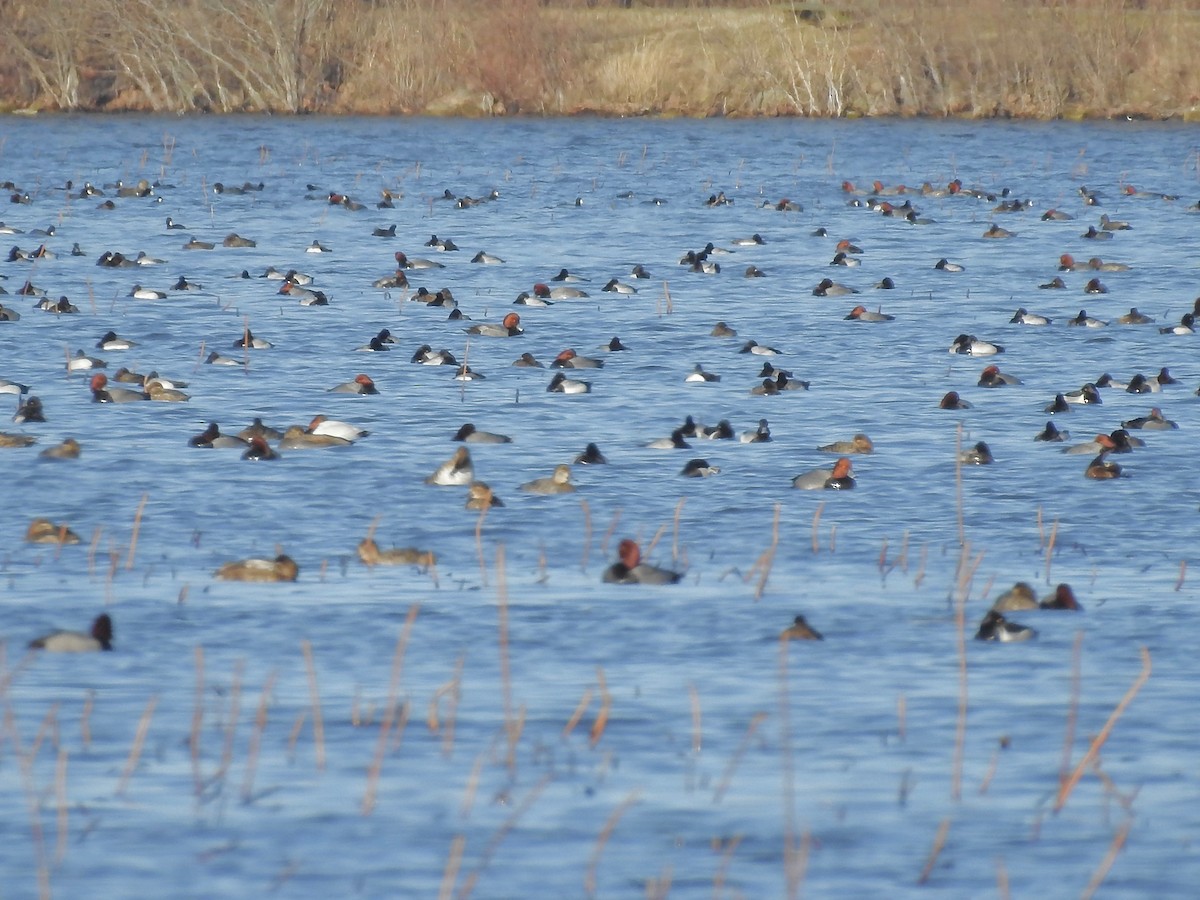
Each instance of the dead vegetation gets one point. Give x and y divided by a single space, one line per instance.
973 58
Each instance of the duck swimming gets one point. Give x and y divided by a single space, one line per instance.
995 627
800 630
629 568
99 638
281 568
458 471
839 478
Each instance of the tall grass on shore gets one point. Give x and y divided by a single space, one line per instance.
974 58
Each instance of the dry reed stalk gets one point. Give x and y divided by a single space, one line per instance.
722 872
1041 530
736 759
882 563
587 533
1050 547
510 732
197 722
389 714
62 814
294 734
472 787
816 524
767 559
479 544
453 863
397 734
48 725
1182 574
960 628
1065 789
610 825
580 708
85 719
1106 864
502 832
993 765
697 725
183 595
315 697
939 841
901 717
658 888
605 708
920 576
788 793
260 725
1064 768
137 527
235 709
135 751
1002 887
612 527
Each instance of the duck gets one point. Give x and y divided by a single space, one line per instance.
468 433
389 232
1164 377
845 259
317 247
216 359
951 400
1023 317
629 568
138 292
800 630
758 349
1054 284
457 471
426 356
320 424
144 259
591 456
306 296
569 359
862 314
99 638
1095 286
197 244
1140 384
1092 234
699 468
361 385
992 377
43 531
102 393
9 315
259 449
722 431
249 342
559 292
510 326
1018 597
1052 434
839 478
527 361
233 239
1186 326
371 554
557 483
1087 394
827 287
379 343
1109 224
281 568
979 455
995 232
404 262
1134 317
527 299
885 284
16 440
560 384
946 266
81 362
481 497
860 444
162 392
296 437
30 410
674 442
487 259
970 345
754 272
1096 264
760 435
721 330
466 373
212 439
619 287
13 387
995 627
1102 469
257 429
184 285
1056 215
1152 422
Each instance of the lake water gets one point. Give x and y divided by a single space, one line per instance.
707 761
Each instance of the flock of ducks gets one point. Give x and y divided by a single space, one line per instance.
261 442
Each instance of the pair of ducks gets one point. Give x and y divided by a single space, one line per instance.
995 627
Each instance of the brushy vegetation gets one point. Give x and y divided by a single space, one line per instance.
977 58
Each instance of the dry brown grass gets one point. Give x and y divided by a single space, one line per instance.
975 58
